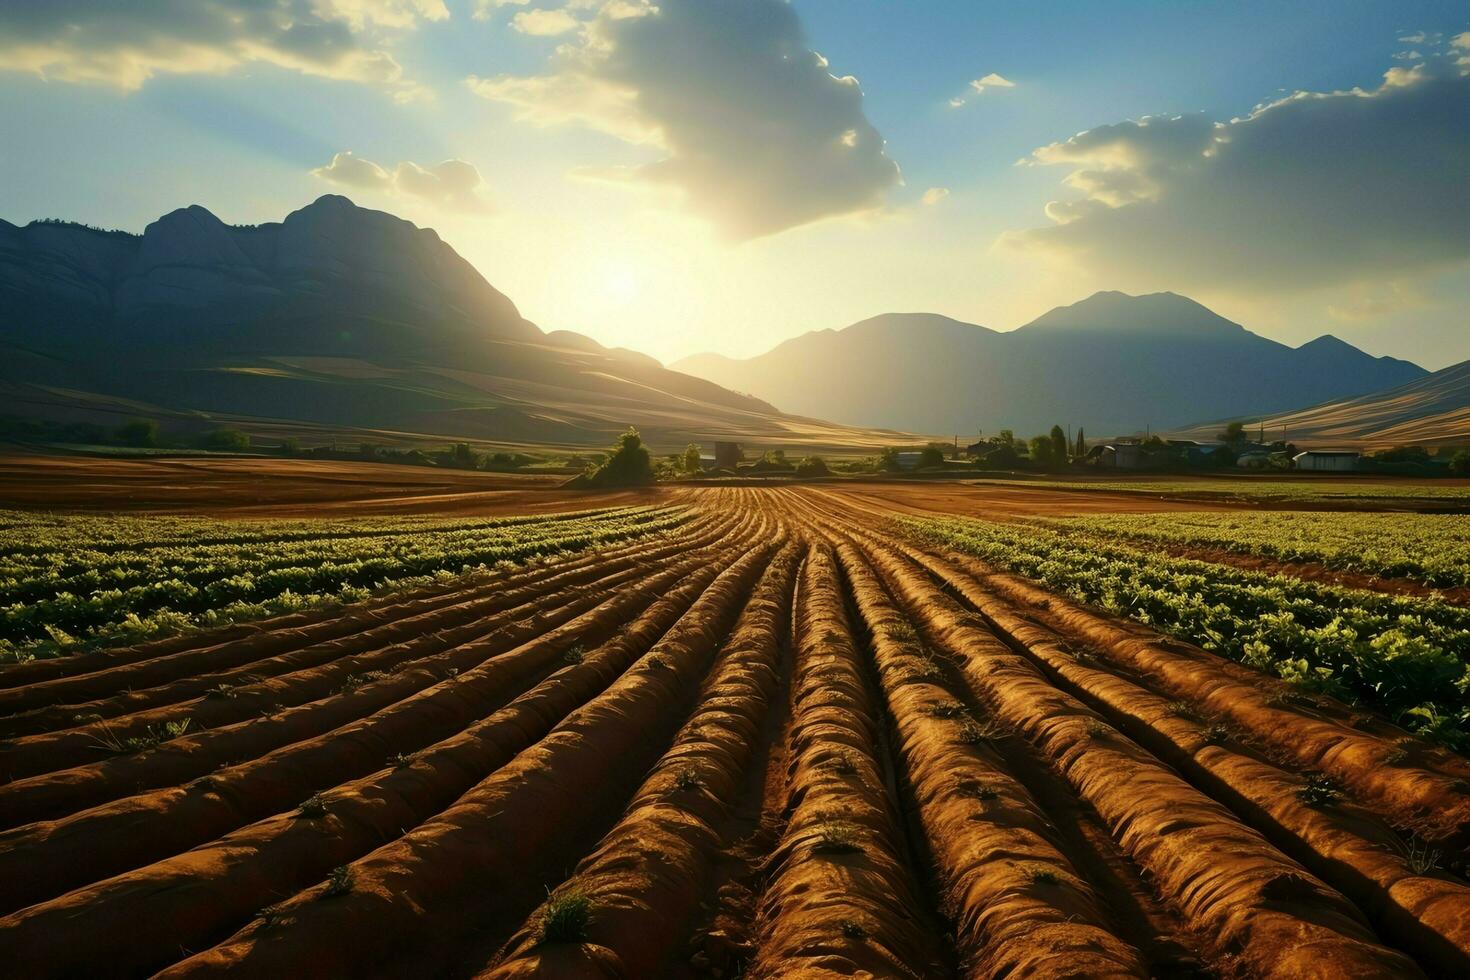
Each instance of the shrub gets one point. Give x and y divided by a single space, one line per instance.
630 464
226 440
138 432
812 466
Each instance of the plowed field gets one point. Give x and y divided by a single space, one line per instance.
784 738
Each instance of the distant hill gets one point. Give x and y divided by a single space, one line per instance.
339 317
1113 363
1432 411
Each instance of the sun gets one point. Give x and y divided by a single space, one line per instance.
620 284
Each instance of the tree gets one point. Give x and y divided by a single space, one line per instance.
1006 438
1081 444
630 464
1058 445
463 457
227 440
888 459
290 446
1041 451
812 466
931 456
1460 463
138 432
691 459
1233 435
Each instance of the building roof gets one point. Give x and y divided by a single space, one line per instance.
1329 452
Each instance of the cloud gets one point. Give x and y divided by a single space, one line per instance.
934 195
756 133
452 183
125 44
980 85
544 23
1312 190
484 8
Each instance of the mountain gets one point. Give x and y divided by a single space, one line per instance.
337 317
1113 363
1432 411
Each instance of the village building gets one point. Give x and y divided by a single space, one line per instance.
1329 460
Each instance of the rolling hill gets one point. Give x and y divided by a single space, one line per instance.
337 319
1112 363
1431 411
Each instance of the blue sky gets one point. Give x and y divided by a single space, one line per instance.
692 178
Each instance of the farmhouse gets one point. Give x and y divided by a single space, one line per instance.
1324 459
1122 455
727 455
907 460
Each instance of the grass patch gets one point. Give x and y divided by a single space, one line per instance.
339 882
314 808
565 917
838 837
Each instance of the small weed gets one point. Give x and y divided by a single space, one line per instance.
655 662
339 882
844 762
404 759
838 837
453 676
900 632
1399 754
852 929
84 719
1216 734
270 915
947 709
1039 875
352 683
1096 729
974 733
1319 791
314 808
687 779
1418 856
221 691
976 790
1183 709
565 917
573 656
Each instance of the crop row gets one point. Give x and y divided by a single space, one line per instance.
1430 548
1302 491
180 589
1406 656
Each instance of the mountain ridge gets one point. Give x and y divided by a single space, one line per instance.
1112 363
336 315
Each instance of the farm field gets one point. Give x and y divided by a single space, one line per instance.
748 731
1274 490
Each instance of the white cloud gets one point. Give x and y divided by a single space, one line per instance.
484 8
1312 190
544 23
453 183
980 85
757 134
125 44
934 195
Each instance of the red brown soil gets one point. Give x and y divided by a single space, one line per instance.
266 488
971 777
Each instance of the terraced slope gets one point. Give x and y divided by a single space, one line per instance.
784 738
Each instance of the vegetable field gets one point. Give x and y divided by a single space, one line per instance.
83 581
1429 548
766 732
1295 491
1404 656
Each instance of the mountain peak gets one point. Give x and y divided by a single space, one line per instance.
1118 312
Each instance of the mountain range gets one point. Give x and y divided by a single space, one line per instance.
337 319
1112 363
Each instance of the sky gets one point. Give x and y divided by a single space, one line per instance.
720 175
